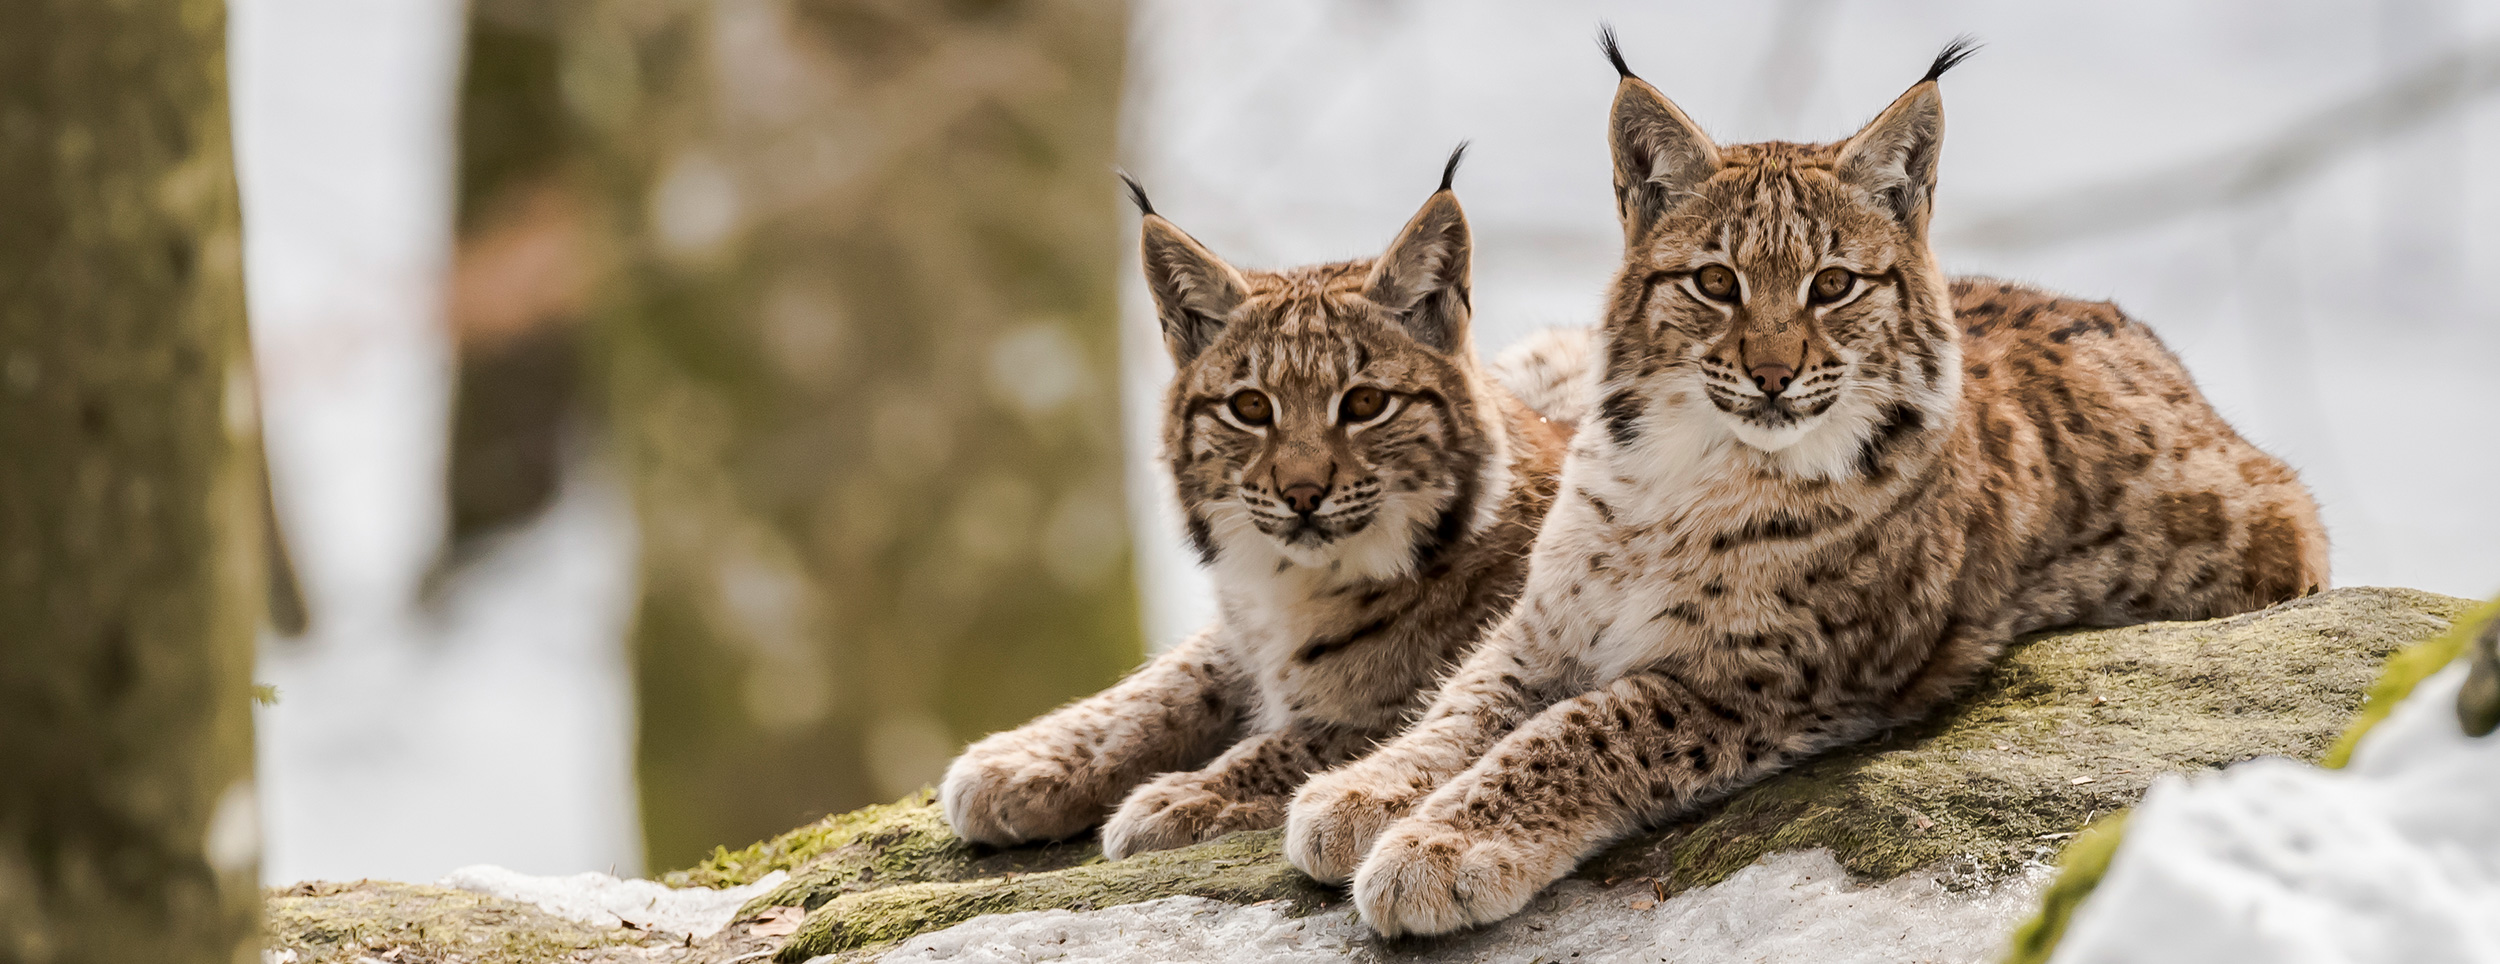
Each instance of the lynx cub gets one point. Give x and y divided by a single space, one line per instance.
1819 490
1365 496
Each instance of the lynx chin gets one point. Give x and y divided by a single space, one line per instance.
1364 494
1820 487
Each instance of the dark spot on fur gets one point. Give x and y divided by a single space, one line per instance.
1323 645
1621 412
2271 570
2193 517
1604 512
1899 421
1776 527
1202 538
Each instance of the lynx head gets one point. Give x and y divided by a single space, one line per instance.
1782 295
1333 416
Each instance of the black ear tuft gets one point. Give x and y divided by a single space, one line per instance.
1450 170
1136 193
1614 51
1953 53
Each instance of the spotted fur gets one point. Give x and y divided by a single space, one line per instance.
1356 560
1734 578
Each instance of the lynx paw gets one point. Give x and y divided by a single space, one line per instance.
1010 796
1425 877
1336 817
1175 810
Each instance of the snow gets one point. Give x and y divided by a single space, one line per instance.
604 901
1791 907
2394 859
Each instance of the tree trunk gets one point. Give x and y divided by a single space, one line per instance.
131 513
860 359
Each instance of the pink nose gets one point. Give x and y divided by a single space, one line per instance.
1772 378
1304 497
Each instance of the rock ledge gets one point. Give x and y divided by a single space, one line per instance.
2069 726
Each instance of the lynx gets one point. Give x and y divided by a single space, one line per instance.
1819 489
1364 495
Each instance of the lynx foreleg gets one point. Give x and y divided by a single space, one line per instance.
1060 774
1246 788
1335 816
1581 774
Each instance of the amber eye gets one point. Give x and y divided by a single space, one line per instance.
1362 405
1832 284
1716 281
1251 406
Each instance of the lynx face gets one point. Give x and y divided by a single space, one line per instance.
1783 285
1329 417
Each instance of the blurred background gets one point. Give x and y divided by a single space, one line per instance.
689 417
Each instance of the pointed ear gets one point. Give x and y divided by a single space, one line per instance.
1659 154
1423 277
1893 161
1193 289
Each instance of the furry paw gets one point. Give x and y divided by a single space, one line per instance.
1426 877
1175 810
1005 795
1335 818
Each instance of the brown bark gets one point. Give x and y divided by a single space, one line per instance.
131 500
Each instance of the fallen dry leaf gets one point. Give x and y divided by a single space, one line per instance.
777 922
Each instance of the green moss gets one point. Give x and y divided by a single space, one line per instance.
897 843
2404 671
1242 868
2080 870
377 920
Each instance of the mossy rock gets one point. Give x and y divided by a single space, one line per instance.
1977 792
2068 726
346 923
903 842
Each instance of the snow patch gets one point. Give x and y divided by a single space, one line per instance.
2395 858
604 901
1790 907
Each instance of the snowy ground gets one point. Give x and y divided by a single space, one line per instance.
1793 907
603 900
2338 316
